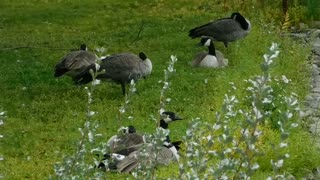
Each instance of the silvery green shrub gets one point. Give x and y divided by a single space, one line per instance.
228 148
3 116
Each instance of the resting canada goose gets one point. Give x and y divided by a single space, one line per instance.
75 62
121 143
224 30
162 155
213 58
120 68
125 130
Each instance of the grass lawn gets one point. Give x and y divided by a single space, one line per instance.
44 113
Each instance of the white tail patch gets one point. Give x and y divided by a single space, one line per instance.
118 157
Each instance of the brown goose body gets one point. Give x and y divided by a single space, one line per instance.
225 30
121 144
211 59
125 143
162 155
199 57
75 62
124 67
129 144
120 68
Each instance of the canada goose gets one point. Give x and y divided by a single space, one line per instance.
212 58
162 155
125 130
122 143
224 30
120 68
75 62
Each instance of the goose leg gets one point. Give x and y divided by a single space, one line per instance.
225 44
123 87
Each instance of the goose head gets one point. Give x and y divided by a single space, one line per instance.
125 130
129 129
205 41
147 62
167 117
213 58
83 47
244 23
208 42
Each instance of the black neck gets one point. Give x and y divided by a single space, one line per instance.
212 50
243 22
163 124
168 139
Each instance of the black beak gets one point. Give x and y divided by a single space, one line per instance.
176 142
177 118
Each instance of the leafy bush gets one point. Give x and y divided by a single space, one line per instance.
230 148
236 146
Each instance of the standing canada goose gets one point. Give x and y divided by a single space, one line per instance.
75 62
120 68
124 144
225 30
156 155
213 58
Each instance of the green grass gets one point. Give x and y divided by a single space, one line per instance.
44 113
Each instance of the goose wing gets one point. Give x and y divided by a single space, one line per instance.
75 61
220 30
121 67
128 150
128 163
80 59
156 156
198 58
164 156
126 143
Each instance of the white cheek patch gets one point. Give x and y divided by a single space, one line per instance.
166 143
207 42
126 129
167 119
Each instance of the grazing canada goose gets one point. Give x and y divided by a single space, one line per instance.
75 62
162 155
120 68
121 143
224 30
213 58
